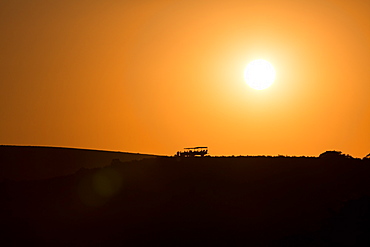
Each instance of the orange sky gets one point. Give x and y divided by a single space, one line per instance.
157 76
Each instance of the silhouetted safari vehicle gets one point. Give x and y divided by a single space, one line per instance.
193 152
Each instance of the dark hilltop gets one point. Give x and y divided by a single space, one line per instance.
173 201
35 162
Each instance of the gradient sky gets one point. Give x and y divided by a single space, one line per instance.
157 76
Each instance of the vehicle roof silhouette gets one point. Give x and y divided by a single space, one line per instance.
195 147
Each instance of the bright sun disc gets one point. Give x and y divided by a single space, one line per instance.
259 74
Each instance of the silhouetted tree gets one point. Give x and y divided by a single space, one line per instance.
367 157
331 154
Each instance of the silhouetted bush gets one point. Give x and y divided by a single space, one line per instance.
333 155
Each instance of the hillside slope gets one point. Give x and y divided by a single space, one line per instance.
30 163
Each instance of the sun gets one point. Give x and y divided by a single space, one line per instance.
259 74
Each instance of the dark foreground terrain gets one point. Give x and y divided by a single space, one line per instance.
31 163
240 201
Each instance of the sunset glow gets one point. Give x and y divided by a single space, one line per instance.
157 76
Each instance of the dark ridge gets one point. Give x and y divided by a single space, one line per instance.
34 162
234 201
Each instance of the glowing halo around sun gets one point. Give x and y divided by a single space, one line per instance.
259 74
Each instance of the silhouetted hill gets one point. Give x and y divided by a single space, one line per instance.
241 201
28 163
